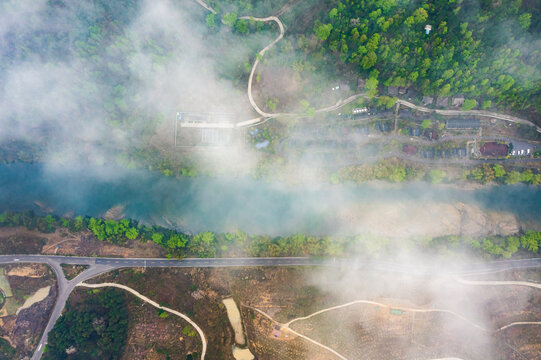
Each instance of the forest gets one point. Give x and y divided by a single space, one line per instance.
94 326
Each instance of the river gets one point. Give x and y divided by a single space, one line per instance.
228 203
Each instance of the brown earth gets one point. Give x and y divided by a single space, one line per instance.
23 330
19 240
277 82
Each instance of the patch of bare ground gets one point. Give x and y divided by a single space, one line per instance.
61 242
22 327
279 83
153 337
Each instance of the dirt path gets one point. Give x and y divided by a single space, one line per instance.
155 304
204 4
520 323
470 112
258 57
385 305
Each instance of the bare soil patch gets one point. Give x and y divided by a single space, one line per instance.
277 82
61 242
23 326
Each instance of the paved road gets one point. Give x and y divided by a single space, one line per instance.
115 263
101 265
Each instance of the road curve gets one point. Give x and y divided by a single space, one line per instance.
256 62
155 304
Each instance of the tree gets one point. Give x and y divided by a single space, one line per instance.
531 241
436 176
241 26
398 173
420 15
176 241
371 87
157 238
230 19
525 20
132 233
211 24
323 31
477 174
203 244
512 177
499 171
444 91
488 173
469 104
527 176
426 123
369 60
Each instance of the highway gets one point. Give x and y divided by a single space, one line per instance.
99 265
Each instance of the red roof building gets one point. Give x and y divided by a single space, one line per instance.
409 149
494 149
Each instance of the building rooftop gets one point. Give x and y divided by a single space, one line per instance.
428 100
444 101
409 149
494 149
463 123
392 90
457 101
